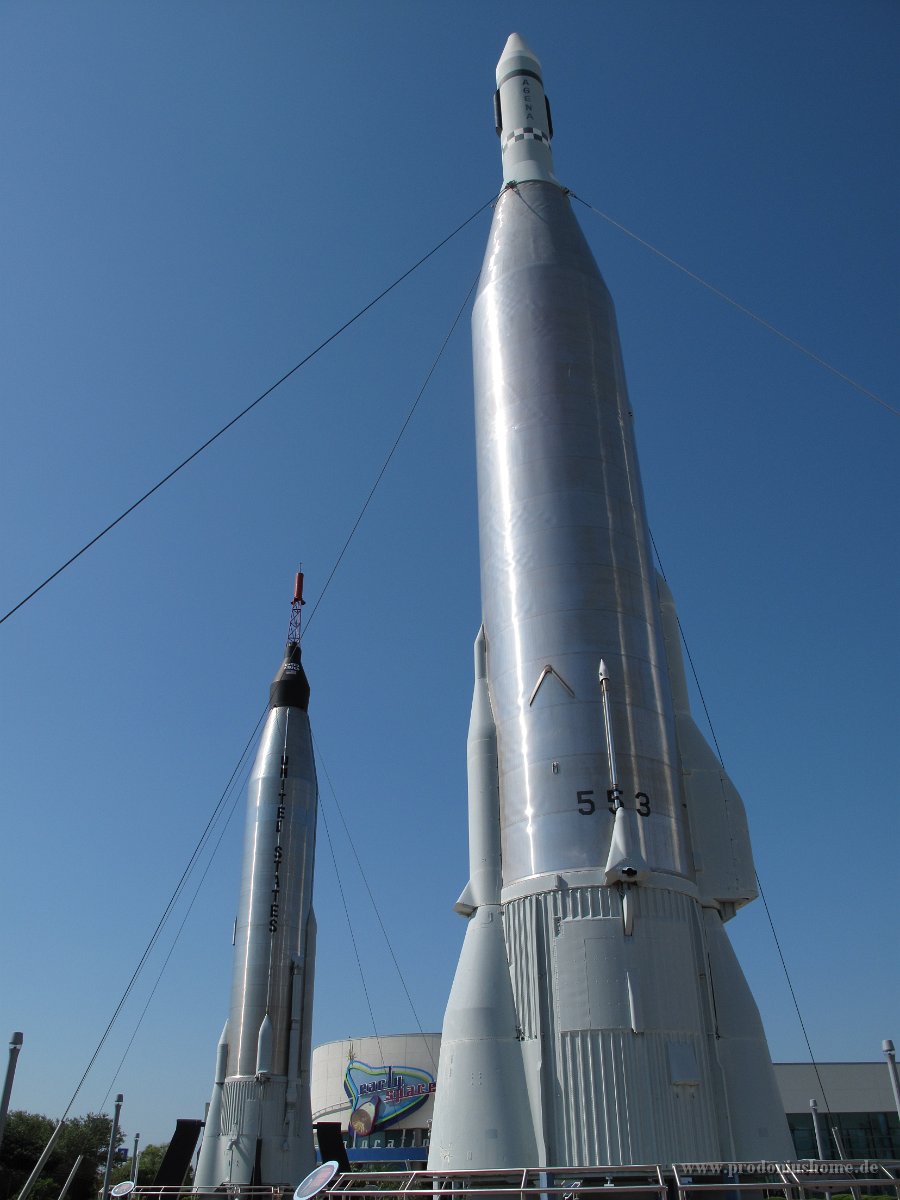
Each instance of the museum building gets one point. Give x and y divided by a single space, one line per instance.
381 1092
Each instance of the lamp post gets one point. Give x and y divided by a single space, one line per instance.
888 1047
15 1045
70 1177
112 1146
821 1137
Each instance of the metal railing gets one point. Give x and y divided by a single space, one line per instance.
551 1183
862 1179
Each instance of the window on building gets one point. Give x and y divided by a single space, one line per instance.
862 1135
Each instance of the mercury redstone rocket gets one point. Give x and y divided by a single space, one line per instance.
598 1014
259 1124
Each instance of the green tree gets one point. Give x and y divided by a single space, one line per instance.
26 1136
149 1159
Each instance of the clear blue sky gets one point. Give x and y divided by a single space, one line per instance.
194 196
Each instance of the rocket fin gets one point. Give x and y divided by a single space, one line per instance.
465 905
718 822
625 863
264 1049
208 1173
222 1056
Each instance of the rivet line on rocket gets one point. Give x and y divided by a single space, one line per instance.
742 308
243 413
690 658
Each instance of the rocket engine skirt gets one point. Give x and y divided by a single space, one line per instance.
567 575
621 1024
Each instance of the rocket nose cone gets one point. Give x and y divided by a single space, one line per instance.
517 48
516 44
290 687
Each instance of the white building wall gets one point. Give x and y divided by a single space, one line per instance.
850 1086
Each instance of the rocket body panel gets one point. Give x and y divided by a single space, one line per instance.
259 1126
622 1022
566 572
276 887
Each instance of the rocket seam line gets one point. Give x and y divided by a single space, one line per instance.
517 74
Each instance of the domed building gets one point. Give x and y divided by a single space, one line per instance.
380 1091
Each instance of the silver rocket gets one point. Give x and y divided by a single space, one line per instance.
259 1124
598 1014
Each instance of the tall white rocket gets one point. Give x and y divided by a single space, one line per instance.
598 1014
259 1123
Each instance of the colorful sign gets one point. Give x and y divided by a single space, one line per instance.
381 1096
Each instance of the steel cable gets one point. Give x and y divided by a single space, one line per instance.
762 894
816 358
220 805
234 420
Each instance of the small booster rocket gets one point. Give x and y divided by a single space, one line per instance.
598 1014
259 1124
